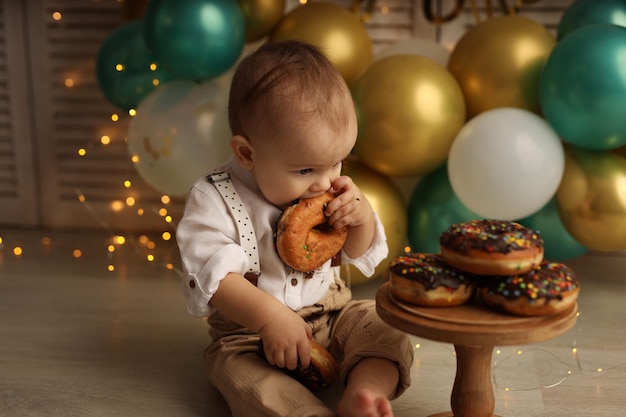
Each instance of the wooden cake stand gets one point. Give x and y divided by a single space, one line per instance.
474 330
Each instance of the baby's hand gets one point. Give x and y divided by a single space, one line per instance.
349 207
286 340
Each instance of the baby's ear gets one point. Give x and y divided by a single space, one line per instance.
242 149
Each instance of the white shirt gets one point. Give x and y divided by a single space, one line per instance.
208 241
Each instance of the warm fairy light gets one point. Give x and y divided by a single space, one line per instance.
162 211
150 244
69 82
169 266
77 253
111 248
417 346
156 82
44 240
127 184
168 219
111 268
498 351
132 112
384 10
519 352
57 16
0 240
153 66
150 258
130 201
82 152
115 117
17 251
119 67
165 199
134 159
105 140
117 205
507 389
407 249
140 212
574 350
166 236
143 239
119 239
81 198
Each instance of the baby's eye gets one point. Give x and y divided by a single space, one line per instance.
305 171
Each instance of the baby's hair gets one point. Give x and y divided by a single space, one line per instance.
283 81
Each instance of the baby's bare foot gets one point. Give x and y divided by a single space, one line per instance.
365 403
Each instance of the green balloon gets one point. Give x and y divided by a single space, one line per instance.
195 39
432 208
583 13
558 244
582 89
123 67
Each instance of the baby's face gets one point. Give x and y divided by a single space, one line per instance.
301 163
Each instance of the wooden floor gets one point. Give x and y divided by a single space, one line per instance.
79 340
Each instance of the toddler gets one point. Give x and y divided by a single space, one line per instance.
293 122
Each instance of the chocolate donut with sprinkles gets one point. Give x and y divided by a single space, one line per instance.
491 247
548 289
423 279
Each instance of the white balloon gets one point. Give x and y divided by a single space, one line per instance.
180 132
418 46
506 163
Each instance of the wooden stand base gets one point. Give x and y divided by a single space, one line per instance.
474 330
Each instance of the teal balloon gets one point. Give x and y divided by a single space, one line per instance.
432 208
582 89
123 67
583 13
559 245
195 39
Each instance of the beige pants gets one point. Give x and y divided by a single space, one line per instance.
351 330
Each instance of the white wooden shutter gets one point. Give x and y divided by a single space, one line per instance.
71 118
17 169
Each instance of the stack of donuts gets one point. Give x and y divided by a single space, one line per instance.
499 262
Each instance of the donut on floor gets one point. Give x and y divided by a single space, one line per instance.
548 289
304 239
320 374
424 279
491 247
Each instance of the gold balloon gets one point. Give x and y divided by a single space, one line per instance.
498 63
409 111
591 199
387 201
261 16
332 28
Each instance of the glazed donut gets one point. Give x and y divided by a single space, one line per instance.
320 374
424 279
491 247
304 239
548 289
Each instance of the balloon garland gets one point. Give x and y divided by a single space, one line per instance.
537 92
